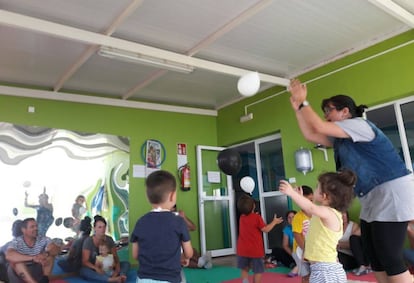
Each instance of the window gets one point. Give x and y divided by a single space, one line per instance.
396 120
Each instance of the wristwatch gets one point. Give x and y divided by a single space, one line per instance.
303 104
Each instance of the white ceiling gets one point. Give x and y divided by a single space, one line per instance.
52 45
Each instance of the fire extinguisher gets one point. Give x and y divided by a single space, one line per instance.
184 175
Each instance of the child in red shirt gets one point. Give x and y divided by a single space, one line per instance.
250 251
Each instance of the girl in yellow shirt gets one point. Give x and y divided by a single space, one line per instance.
333 195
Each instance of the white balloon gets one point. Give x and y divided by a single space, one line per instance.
249 84
247 184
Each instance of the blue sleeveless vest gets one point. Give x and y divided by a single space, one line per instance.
374 162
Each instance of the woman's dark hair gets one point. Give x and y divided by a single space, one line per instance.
85 226
341 101
245 204
338 186
17 228
98 218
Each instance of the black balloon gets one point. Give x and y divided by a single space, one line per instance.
229 161
58 221
15 211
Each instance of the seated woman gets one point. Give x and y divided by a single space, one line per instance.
73 261
90 250
284 255
349 248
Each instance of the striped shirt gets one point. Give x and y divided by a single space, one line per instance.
19 245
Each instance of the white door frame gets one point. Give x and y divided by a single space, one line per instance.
262 194
202 198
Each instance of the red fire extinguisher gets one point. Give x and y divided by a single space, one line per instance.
184 175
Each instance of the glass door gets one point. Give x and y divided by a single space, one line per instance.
216 204
271 167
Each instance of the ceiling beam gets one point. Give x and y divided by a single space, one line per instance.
93 48
395 10
62 96
71 33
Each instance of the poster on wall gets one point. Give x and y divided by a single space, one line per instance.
153 156
181 154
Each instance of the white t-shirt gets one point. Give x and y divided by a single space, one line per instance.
345 238
107 263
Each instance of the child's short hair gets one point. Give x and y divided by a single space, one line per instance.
159 184
306 190
339 187
289 212
245 204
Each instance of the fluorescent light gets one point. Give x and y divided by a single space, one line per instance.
138 58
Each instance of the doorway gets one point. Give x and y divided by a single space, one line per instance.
216 204
262 160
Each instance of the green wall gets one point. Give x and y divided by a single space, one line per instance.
139 125
382 79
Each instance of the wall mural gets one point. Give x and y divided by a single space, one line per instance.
59 176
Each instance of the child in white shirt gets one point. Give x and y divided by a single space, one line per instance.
105 260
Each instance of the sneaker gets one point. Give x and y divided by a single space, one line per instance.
201 262
208 265
362 271
205 261
354 270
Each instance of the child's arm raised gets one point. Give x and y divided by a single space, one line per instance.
307 206
276 220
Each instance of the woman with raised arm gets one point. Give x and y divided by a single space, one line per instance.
385 187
